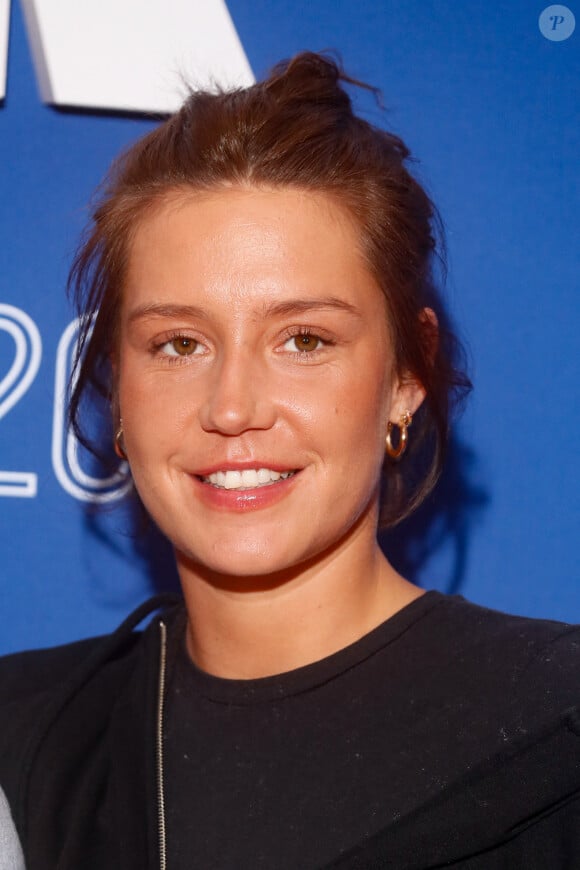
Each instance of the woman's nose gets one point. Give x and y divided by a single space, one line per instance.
238 396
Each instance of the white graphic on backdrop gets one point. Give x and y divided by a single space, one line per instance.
557 23
15 383
65 460
4 29
132 55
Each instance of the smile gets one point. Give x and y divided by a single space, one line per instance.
249 478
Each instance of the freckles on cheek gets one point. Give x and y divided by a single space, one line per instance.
150 393
154 421
300 407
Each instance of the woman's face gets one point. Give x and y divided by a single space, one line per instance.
256 378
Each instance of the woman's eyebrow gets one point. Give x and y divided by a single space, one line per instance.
274 309
142 312
299 306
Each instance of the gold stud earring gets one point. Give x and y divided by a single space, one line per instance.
118 442
395 453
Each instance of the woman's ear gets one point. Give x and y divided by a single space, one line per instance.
409 397
409 391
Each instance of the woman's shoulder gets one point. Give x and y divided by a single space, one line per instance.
36 685
65 690
488 709
32 683
32 672
455 606
481 626
35 677
535 658
25 673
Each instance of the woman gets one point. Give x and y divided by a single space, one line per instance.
260 269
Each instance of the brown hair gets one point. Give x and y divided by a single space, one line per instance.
296 128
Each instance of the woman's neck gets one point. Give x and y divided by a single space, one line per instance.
251 627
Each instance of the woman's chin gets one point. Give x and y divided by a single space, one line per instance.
237 567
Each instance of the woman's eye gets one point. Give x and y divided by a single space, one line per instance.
303 343
181 345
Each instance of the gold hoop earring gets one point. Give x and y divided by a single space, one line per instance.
118 443
395 453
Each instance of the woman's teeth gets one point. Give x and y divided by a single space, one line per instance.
249 478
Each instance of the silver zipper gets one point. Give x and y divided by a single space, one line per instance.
160 772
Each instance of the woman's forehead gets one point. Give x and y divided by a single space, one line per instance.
270 244
229 214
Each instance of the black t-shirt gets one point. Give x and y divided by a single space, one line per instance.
446 736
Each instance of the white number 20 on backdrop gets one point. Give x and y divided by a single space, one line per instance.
14 385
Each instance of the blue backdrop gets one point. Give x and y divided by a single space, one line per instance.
490 104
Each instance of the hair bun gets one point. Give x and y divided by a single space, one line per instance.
310 77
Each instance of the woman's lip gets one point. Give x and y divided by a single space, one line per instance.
250 465
243 500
